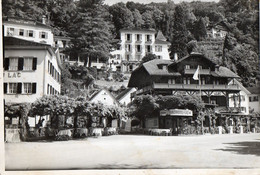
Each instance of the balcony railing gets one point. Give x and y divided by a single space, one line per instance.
192 71
195 86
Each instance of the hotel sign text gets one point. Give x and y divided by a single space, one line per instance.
12 74
176 112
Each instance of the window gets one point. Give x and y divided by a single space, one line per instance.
13 64
138 37
12 88
118 56
188 80
127 57
158 48
21 32
148 48
242 98
128 37
171 81
148 38
255 98
43 35
28 64
203 80
30 33
128 48
184 80
187 66
27 88
138 48
10 32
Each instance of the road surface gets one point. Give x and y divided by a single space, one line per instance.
137 151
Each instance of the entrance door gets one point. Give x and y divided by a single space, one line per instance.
168 123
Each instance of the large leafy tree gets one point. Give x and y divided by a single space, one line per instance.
90 31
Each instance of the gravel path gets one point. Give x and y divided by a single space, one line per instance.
137 151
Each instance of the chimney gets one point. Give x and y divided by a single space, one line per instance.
44 19
175 57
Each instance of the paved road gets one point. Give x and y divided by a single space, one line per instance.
134 151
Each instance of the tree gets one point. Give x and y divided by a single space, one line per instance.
122 17
144 106
199 29
138 21
180 33
148 20
91 32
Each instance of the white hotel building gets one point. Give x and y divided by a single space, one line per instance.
32 66
135 44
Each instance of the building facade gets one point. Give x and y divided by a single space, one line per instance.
254 99
28 30
136 43
31 70
168 77
105 97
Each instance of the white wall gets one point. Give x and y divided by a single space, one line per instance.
255 104
104 98
49 40
244 101
39 76
127 98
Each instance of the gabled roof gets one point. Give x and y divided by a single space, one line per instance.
160 36
123 94
23 21
99 91
224 72
12 41
192 54
152 67
157 41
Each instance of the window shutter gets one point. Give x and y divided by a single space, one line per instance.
34 88
34 63
20 63
5 88
6 63
19 88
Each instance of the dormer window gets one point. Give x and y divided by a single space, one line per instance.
30 33
43 35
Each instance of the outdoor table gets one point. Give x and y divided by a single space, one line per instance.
159 131
82 131
12 135
97 131
66 132
111 130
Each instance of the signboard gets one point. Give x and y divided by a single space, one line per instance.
176 112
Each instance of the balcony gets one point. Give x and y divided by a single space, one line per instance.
192 71
196 86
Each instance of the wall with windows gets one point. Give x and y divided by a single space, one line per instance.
104 97
29 32
241 100
254 102
53 77
25 77
162 51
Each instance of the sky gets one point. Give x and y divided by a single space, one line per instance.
110 2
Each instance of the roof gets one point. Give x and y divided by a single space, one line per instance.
160 36
12 41
124 93
224 72
23 21
138 30
192 54
254 90
157 41
240 85
152 67
99 91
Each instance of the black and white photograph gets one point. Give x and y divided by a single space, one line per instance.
130 87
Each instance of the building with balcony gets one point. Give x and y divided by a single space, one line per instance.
62 43
172 77
28 30
136 43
